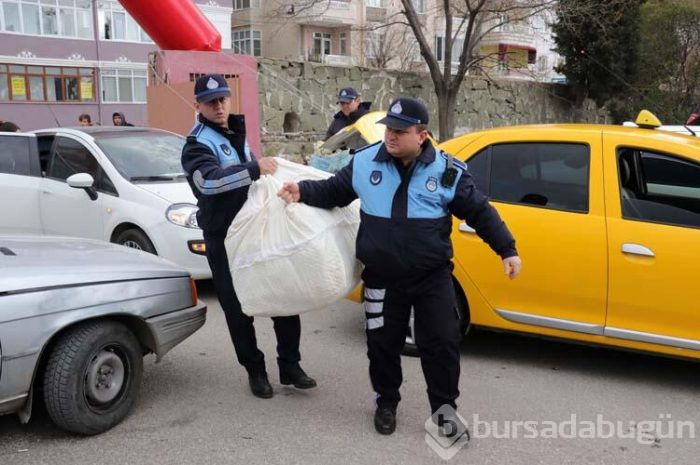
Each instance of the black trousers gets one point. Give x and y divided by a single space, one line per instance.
240 326
437 335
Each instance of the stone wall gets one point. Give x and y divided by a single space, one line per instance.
298 101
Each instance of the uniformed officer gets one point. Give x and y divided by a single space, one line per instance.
408 192
220 169
351 109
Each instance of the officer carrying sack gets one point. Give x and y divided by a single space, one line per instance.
290 259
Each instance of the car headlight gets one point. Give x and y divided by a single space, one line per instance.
183 214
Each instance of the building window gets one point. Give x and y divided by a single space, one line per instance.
246 42
65 18
245 4
375 3
419 5
117 24
322 43
343 39
20 83
123 85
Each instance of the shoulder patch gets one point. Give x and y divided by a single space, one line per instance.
196 130
455 161
354 151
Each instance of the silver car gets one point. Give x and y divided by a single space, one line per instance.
76 318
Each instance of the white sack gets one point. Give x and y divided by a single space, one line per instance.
289 259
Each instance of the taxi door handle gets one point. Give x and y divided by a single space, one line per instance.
637 249
464 227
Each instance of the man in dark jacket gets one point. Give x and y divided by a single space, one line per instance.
351 109
409 192
118 119
220 169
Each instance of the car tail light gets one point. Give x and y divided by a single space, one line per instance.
193 288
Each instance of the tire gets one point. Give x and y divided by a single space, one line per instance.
410 349
92 377
136 239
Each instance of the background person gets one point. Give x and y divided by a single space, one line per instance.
351 109
118 119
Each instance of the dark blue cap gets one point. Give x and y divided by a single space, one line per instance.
405 112
210 87
347 94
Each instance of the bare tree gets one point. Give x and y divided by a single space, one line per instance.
391 45
473 20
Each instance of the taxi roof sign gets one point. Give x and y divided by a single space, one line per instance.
646 119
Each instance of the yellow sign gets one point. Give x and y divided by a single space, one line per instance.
85 90
19 86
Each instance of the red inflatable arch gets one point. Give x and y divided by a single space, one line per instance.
175 24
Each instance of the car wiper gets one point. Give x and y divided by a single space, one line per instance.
151 178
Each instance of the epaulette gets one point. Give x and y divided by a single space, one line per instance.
196 130
455 161
354 151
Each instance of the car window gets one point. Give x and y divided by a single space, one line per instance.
478 167
14 155
71 157
659 188
144 155
550 175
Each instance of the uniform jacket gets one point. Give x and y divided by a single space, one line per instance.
220 169
340 120
406 213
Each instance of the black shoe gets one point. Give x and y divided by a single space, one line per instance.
260 385
385 420
296 376
451 426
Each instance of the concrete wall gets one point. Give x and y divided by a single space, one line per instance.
309 90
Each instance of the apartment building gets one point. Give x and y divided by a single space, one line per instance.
355 32
62 58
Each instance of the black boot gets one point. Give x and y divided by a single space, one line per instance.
296 376
260 385
385 420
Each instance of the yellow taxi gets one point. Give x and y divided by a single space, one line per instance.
607 222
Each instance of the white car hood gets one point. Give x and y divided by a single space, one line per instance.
173 192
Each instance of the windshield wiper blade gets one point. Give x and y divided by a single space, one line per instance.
151 178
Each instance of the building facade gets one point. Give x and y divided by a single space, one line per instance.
515 44
63 58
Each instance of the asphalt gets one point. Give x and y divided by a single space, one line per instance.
195 407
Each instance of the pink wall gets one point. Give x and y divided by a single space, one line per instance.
176 66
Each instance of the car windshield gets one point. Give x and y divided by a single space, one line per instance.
144 156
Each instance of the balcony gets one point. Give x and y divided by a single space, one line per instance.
514 34
332 14
336 60
375 14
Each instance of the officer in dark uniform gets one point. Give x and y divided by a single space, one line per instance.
351 109
220 169
409 192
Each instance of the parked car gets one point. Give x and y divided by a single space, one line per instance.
76 318
122 185
607 222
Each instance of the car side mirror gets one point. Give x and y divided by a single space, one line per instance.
83 181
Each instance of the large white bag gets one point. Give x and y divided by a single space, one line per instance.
289 259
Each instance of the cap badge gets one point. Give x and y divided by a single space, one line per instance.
343 93
397 108
212 84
